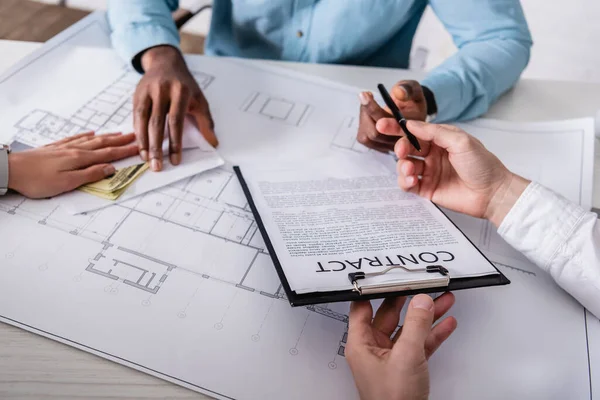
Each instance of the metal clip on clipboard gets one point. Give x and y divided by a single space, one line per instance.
366 289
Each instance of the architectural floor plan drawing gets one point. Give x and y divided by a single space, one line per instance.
110 108
217 246
276 108
345 137
176 282
170 254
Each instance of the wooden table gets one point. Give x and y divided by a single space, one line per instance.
35 21
34 367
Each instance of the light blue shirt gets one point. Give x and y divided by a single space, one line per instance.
492 37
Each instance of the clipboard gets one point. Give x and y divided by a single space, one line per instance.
359 280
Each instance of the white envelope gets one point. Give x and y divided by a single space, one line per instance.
191 139
198 156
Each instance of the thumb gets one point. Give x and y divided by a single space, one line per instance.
201 113
448 137
407 90
87 175
417 323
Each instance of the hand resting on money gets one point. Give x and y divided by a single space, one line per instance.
130 169
114 186
67 164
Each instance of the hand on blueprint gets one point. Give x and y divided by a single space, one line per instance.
67 164
408 96
456 172
167 90
395 368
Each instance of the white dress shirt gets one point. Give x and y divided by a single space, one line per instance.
561 238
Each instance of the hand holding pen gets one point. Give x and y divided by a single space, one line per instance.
410 99
398 116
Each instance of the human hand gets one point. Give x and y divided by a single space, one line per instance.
167 88
386 368
67 164
408 96
456 171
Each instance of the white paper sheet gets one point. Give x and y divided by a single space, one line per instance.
88 89
193 161
557 154
176 282
198 156
331 216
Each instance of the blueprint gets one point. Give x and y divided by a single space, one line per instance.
52 110
177 283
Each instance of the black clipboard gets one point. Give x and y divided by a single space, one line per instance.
306 299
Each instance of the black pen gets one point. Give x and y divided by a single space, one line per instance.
398 116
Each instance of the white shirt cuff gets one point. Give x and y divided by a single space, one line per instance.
539 223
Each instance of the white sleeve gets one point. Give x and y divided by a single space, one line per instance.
561 238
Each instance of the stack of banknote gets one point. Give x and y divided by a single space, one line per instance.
113 187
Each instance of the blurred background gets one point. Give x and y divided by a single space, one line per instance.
566 34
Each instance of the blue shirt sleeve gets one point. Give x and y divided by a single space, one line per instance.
138 25
493 43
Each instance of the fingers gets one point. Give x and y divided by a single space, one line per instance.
69 139
410 99
403 148
359 323
443 304
78 159
200 110
102 141
401 92
77 178
367 133
409 171
410 167
156 127
407 90
417 323
179 106
370 112
388 315
76 143
142 105
361 314
448 137
370 106
439 334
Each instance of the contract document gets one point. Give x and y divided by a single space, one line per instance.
339 227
